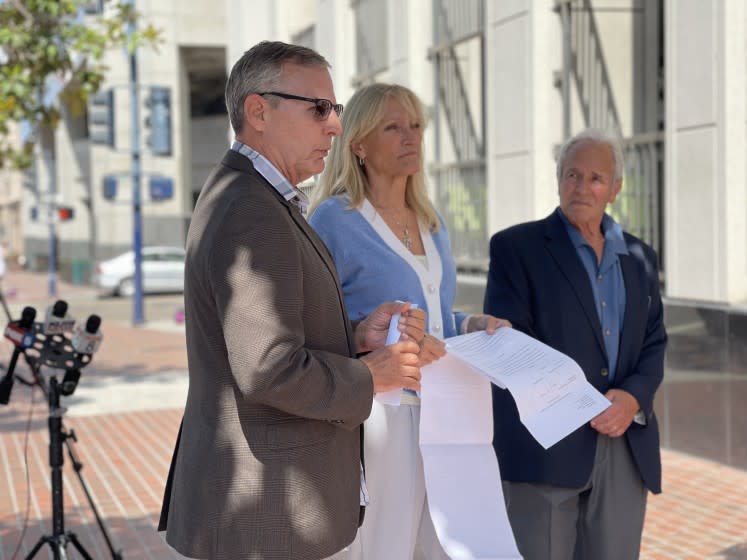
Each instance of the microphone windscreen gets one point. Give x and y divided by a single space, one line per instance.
93 323
27 317
60 308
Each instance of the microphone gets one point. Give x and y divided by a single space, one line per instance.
87 340
56 319
21 335
84 341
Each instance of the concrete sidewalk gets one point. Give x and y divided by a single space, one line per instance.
126 413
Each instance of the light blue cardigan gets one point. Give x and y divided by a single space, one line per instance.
372 273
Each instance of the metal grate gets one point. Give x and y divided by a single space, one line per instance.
460 173
456 20
371 53
461 197
638 206
583 59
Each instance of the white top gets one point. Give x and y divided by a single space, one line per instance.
428 268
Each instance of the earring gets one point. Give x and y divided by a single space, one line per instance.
361 160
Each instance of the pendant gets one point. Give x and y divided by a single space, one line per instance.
406 241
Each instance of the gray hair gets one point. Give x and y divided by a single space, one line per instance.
594 135
259 69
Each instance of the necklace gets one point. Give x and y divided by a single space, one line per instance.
406 239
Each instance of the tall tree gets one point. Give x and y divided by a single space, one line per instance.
42 41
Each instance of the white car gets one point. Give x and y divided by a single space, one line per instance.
163 271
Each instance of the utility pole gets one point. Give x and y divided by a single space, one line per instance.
138 317
52 248
47 144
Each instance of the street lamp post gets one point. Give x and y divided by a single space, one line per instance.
138 317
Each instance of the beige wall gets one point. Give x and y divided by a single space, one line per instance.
706 196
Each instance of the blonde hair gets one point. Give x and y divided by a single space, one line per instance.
342 173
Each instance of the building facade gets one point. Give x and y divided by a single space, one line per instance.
189 65
505 81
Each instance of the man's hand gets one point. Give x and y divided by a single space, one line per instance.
394 367
614 421
486 323
371 332
431 349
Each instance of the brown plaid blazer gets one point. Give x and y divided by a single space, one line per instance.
267 463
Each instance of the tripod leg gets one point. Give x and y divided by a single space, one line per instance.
78 467
40 543
5 305
79 547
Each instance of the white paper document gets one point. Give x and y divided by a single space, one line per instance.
550 390
462 478
394 396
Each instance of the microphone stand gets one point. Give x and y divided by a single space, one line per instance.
58 436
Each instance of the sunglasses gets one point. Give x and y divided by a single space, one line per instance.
322 107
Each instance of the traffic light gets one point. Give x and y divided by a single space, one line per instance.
158 120
101 118
65 213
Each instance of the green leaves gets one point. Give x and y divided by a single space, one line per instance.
43 39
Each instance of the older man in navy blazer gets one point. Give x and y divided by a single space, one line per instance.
578 283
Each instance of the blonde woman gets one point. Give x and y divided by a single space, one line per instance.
388 242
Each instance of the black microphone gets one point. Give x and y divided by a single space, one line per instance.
56 320
87 340
20 333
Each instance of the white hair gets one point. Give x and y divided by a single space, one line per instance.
594 135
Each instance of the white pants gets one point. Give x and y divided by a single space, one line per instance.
397 525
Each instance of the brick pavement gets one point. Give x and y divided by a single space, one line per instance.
702 513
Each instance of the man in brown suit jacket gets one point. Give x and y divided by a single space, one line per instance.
268 460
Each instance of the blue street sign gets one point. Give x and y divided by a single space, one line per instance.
161 188
110 187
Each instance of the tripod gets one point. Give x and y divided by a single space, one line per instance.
58 436
55 352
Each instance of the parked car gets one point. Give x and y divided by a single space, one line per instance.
163 271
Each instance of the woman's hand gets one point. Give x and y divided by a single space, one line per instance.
486 323
431 349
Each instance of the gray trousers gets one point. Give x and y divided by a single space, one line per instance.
601 520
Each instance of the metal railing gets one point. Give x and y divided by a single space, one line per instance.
457 20
459 173
638 207
462 198
583 58
371 49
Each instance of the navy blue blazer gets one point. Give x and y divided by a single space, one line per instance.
537 282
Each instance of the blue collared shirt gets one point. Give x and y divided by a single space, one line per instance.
607 282
274 177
